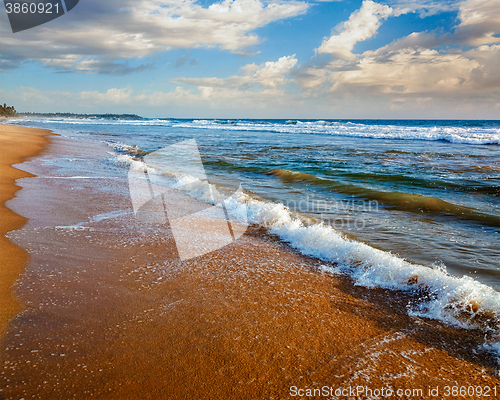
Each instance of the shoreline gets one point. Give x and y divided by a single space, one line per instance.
18 145
112 313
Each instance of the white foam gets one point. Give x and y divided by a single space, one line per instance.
97 121
459 135
452 297
129 160
183 180
472 135
453 300
109 215
97 218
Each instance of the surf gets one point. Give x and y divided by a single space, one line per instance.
409 202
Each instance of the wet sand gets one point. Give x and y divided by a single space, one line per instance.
112 313
17 145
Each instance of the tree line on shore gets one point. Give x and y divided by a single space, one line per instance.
7 111
10 111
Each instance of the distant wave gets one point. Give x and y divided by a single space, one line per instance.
466 133
459 135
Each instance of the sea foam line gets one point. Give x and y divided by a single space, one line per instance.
457 135
458 301
452 134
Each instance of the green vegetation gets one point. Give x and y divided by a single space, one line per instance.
82 116
7 111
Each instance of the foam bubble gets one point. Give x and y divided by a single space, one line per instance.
457 301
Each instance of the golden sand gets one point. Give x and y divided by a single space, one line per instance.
16 145
248 321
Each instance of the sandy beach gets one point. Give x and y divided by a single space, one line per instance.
18 144
253 320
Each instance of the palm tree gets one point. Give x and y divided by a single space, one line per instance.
7 111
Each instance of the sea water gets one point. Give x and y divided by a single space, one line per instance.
405 205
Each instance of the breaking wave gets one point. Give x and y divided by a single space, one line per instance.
474 135
470 133
458 301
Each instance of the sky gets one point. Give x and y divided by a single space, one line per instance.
259 59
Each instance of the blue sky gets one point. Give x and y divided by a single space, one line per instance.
259 59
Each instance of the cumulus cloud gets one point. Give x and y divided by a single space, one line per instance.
409 71
362 25
479 19
100 33
197 101
257 87
480 22
486 77
414 65
415 40
421 72
266 76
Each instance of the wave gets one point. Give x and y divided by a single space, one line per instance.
293 176
427 183
225 165
409 202
458 301
224 122
458 132
471 135
123 148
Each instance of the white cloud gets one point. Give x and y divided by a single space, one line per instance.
415 65
420 75
406 67
267 76
258 87
425 8
415 40
486 77
98 33
112 96
408 71
480 21
362 25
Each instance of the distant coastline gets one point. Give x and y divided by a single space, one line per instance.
75 115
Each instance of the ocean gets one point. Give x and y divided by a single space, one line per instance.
410 206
